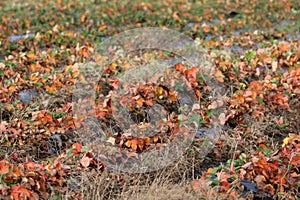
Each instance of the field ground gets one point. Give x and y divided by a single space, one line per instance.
254 50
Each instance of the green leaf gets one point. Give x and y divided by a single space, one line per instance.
216 169
59 115
85 149
69 153
287 93
260 100
249 55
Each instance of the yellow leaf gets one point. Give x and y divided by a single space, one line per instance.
128 143
140 101
287 139
34 77
113 65
155 139
75 74
159 90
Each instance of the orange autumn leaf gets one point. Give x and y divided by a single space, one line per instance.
224 183
284 46
84 52
295 175
77 146
219 76
83 18
15 195
24 191
297 71
176 16
34 77
147 141
191 74
17 171
29 165
140 101
172 95
265 58
75 73
239 98
113 66
126 65
212 43
11 88
4 167
179 67
46 119
51 88
100 114
227 43
195 184
255 86
198 94
17 190
40 114
295 161
27 22
149 102
141 144
134 144
58 83
31 56
199 183
155 139
205 28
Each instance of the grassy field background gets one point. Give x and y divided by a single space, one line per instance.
257 155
